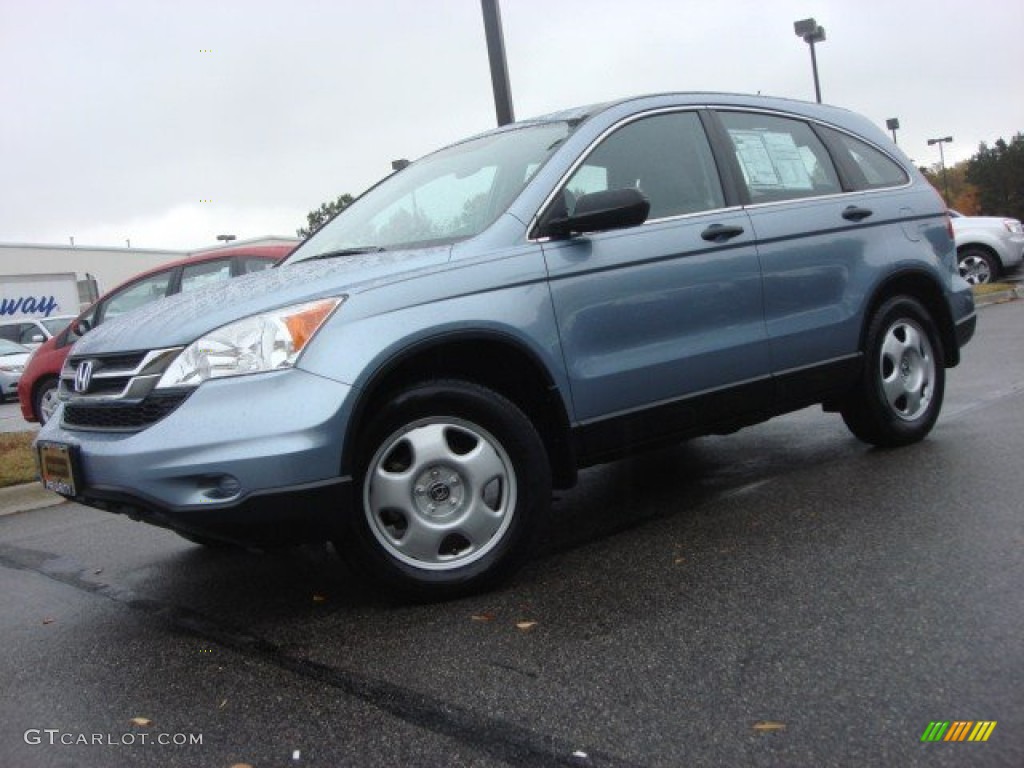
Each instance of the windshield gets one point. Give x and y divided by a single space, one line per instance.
450 195
56 324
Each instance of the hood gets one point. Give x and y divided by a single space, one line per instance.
181 319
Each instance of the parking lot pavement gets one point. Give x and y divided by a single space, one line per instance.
784 596
11 420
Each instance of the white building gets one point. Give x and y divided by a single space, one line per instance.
108 266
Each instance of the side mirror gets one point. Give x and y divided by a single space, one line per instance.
609 209
37 338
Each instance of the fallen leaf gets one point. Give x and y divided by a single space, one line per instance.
48 620
483 617
223 704
680 560
526 626
579 754
765 726
241 765
143 722
319 599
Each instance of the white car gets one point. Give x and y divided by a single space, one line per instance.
33 331
12 362
986 246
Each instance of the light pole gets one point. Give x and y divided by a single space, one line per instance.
812 33
893 123
942 158
226 239
499 64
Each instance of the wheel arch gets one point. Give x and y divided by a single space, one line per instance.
926 289
491 359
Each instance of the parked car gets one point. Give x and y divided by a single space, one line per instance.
12 363
419 374
33 331
986 246
37 392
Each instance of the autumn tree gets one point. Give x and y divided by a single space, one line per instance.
998 173
317 218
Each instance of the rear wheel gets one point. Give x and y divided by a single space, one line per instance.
977 267
453 483
901 392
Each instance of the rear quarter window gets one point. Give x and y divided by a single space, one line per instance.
868 167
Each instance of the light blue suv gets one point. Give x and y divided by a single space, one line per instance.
416 377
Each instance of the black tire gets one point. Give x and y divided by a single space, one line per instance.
452 485
904 378
977 266
44 392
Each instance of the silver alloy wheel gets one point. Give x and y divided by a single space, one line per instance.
907 369
975 269
440 493
48 403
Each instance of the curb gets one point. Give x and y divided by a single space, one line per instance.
22 498
1000 297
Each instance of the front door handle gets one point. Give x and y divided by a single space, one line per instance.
853 213
720 233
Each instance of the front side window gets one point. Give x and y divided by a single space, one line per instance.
137 294
780 158
667 157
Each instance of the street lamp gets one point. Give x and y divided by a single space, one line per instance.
809 30
226 239
942 158
893 123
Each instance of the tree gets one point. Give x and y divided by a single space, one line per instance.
317 218
963 196
998 173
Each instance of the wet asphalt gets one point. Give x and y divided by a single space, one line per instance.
784 596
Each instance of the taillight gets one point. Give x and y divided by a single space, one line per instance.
949 226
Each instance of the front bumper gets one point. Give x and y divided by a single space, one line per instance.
240 458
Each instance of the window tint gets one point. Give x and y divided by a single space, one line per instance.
249 264
870 168
667 157
197 275
135 295
780 158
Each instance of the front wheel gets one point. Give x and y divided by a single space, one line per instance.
46 400
977 267
452 484
900 394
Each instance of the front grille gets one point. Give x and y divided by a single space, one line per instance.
117 392
116 416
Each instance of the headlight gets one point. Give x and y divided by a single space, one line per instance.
266 342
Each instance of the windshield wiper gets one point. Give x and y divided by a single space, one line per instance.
347 252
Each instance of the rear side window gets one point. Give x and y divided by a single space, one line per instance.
780 158
249 264
868 167
195 276
667 157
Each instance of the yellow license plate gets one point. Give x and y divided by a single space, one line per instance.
57 469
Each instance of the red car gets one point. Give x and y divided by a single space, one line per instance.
37 389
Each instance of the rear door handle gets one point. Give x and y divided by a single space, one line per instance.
853 213
720 233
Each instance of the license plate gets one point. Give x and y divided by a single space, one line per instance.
57 468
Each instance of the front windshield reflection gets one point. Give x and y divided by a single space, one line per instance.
448 196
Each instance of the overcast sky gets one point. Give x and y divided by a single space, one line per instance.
169 122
